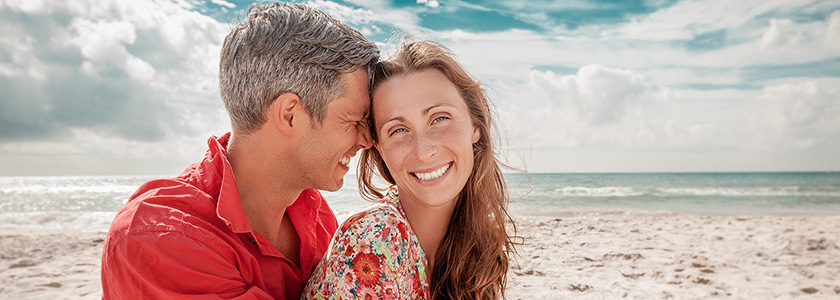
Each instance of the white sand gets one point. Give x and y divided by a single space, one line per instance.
677 256
50 265
606 256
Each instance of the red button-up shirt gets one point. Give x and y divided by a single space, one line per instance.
188 237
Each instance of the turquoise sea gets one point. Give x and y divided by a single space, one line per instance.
89 203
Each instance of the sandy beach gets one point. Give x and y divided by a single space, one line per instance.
677 256
579 256
50 265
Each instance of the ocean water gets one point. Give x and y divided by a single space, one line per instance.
807 193
89 203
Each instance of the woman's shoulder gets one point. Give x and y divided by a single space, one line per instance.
378 215
374 253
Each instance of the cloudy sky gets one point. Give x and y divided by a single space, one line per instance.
94 87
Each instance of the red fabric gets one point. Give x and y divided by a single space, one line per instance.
188 237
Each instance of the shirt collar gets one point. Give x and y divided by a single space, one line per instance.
392 197
229 207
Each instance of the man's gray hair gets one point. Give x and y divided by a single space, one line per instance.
290 48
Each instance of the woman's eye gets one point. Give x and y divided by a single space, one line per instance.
395 131
438 119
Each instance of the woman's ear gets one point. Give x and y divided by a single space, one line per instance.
376 148
476 134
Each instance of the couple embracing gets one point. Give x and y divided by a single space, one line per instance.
305 93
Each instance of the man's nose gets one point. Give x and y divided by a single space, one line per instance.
364 139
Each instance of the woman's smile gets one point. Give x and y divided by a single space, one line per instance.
432 175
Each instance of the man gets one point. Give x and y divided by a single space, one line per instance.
246 221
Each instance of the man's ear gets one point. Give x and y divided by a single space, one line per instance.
285 113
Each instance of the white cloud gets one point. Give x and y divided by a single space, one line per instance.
103 45
343 13
223 3
429 3
515 52
120 73
596 107
139 69
796 106
686 19
675 76
405 20
102 41
607 109
552 5
780 34
21 58
796 116
833 31
27 6
785 34
362 3
600 94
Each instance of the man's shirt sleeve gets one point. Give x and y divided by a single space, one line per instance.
172 265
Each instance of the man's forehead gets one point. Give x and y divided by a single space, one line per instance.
354 101
359 112
358 108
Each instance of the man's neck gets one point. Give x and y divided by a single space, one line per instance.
265 195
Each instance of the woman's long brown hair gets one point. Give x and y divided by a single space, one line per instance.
472 260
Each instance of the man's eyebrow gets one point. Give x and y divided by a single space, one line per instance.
358 114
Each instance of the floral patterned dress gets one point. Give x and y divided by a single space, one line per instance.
373 255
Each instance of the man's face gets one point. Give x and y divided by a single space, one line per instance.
327 148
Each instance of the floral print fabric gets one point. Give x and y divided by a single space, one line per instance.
374 255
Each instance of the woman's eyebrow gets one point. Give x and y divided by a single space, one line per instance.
397 118
426 111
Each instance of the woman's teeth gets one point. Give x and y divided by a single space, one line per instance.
345 161
433 174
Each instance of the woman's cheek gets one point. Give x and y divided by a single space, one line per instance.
392 152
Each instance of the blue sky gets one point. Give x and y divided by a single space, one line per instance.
94 87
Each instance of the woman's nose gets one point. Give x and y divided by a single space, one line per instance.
425 147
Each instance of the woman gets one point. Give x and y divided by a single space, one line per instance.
439 230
